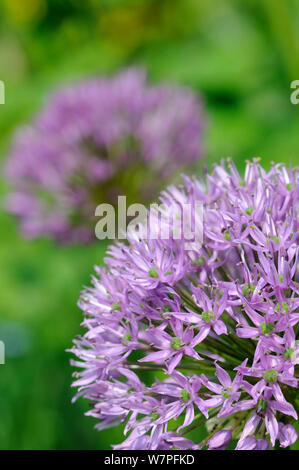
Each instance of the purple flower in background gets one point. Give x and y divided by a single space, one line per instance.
93 141
214 341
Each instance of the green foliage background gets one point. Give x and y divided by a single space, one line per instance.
241 55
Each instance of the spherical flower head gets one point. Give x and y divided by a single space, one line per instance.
178 339
95 140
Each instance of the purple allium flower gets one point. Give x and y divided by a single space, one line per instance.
93 141
180 338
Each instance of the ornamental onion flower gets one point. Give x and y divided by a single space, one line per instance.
93 141
214 341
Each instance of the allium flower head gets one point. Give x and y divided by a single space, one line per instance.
93 141
215 340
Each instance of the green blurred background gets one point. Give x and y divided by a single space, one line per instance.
241 55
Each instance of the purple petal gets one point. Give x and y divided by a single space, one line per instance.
223 377
250 425
271 425
220 440
174 362
247 332
287 435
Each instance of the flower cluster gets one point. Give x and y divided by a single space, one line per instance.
177 338
93 141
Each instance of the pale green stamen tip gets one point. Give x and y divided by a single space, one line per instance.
285 306
249 210
207 316
289 353
227 236
115 306
185 395
153 272
128 337
266 329
176 343
275 239
271 375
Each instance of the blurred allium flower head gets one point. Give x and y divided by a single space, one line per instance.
96 140
210 338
